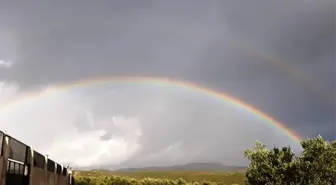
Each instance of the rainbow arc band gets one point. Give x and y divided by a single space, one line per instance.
221 96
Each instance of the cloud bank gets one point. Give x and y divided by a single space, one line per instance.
133 125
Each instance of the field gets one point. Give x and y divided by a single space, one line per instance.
219 177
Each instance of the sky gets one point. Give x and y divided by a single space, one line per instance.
278 56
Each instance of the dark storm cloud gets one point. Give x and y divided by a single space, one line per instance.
193 40
86 40
302 34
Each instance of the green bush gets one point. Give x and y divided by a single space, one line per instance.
315 166
117 180
220 177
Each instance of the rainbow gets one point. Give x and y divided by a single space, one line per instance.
291 71
167 82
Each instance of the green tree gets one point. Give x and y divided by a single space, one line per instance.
315 166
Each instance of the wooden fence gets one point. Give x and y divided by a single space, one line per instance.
21 165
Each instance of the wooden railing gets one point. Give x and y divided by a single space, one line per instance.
21 165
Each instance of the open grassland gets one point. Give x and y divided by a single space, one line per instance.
163 177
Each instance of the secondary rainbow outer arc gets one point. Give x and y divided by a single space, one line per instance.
279 63
168 82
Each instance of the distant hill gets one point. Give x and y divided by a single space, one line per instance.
187 167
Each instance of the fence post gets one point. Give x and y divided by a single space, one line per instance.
46 169
55 173
31 165
5 158
3 167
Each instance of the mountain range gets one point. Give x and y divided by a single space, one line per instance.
187 167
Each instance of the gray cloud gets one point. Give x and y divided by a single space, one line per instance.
159 123
58 42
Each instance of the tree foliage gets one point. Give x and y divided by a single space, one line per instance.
279 166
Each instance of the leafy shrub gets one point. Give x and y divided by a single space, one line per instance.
315 166
192 177
117 180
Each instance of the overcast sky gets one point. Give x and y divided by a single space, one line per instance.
278 56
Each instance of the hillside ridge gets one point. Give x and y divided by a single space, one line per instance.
189 166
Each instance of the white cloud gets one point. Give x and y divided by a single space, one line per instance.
5 64
87 149
8 91
143 126
46 123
